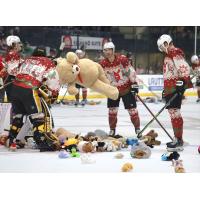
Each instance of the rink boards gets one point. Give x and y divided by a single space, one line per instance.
150 85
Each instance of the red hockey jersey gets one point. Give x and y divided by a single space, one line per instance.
175 68
119 72
13 61
34 71
2 68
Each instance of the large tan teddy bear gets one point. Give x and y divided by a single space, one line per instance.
85 72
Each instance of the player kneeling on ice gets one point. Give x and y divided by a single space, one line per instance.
176 73
123 76
34 72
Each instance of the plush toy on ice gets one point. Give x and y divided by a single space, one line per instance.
85 72
63 134
178 166
87 147
140 150
127 167
150 139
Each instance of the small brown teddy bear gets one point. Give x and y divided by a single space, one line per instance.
127 167
140 151
3 139
178 166
140 154
61 132
150 139
87 147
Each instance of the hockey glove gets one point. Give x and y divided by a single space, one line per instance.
134 88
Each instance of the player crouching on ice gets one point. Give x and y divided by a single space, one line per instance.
34 72
176 74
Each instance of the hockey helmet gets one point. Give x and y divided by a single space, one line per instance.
194 59
161 40
109 45
10 40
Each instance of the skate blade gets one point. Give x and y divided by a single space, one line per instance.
178 149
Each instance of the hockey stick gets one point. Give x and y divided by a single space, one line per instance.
63 97
4 86
160 111
154 117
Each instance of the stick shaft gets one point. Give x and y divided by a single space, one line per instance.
154 117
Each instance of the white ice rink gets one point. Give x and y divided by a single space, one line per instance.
89 118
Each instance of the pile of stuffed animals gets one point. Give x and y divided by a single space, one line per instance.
71 145
100 141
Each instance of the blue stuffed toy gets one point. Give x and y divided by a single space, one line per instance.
170 156
132 141
63 154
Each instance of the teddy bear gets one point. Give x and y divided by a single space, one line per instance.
62 134
87 147
127 167
140 150
85 72
178 166
3 139
108 145
150 139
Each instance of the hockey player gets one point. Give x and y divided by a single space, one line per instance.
13 60
33 72
123 76
176 74
196 67
81 54
2 74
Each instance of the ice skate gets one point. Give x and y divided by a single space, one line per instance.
76 103
112 133
83 102
175 145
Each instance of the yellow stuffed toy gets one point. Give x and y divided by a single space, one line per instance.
85 72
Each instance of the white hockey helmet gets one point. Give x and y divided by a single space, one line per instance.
194 59
161 40
78 51
109 45
12 39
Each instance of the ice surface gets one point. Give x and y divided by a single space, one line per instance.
82 120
